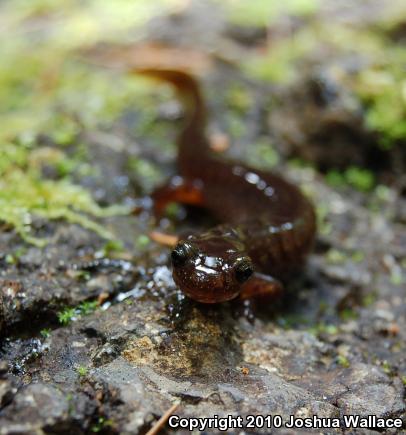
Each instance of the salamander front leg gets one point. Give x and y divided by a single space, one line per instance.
178 189
261 286
261 293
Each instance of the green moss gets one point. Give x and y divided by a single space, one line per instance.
82 371
299 163
262 13
112 247
383 193
262 154
82 275
25 195
334 256
46 89
396 277
238 98
294 320
343 361
331 329
146 172
323 224
66 316
380 198
235 125
380 85
69 314
382 88
142 241
279 63
335 178
87 307
361 179
10 259
348 314
386 367
13 258
323 328
369 299
102 423
45 333
173 210
357 256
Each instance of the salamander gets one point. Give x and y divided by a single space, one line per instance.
267 226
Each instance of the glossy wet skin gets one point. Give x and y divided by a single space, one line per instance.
269 225
211 267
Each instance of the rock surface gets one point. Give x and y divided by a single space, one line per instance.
336 345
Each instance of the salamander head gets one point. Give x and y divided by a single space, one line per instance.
211 268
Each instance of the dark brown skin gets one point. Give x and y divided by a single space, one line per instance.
269 225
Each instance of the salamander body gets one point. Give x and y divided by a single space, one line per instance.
267 225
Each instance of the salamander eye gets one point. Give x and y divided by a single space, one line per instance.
181 254
243 270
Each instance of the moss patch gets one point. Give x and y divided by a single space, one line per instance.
383 90
258 13
47 90
25 195
360 179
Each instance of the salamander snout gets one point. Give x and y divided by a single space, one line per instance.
210 270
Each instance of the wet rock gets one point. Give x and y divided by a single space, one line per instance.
35 408
334 346
8 385
379 400
278 353
6 392
325 131
3 368
43 282
105 354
